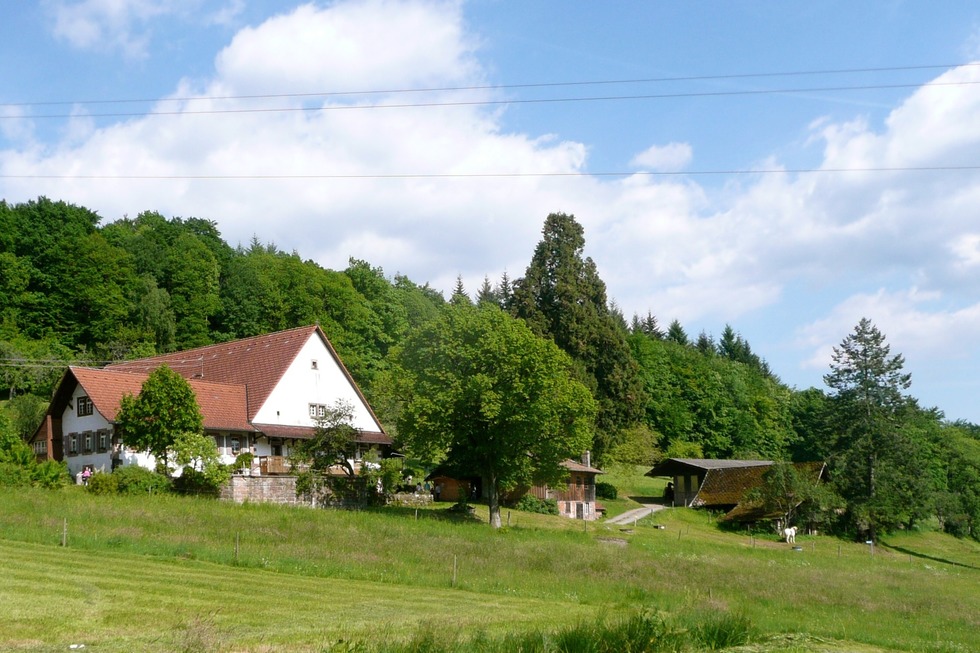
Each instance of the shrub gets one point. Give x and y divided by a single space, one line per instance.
51 474
197 483
134 479
13 475
605 490
102 484
529 503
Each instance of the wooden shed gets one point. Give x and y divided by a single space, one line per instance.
722 484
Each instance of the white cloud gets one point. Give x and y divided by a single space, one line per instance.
107 24
931 335
664 158
127 25
672 246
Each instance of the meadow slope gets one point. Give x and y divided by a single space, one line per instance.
167 573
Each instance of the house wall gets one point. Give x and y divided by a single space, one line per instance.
84 428
304 384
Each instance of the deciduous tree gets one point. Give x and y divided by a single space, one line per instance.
165 408
491 399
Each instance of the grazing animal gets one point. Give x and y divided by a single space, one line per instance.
790 534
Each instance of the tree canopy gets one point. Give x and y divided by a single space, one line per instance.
562 297
488 398
874 454
165 408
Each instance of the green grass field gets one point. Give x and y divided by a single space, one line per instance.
167 573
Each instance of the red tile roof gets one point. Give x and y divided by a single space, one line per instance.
258 362
222 405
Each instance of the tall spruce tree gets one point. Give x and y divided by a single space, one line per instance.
562 297
872 456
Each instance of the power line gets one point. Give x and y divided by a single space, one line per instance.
396 91
491 175
415 105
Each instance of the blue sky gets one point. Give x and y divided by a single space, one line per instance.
697 96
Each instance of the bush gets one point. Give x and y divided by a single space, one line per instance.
134 479
103 484
529 503
243 461
51 474
197 483
605 490
13 475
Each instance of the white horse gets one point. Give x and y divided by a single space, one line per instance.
790 534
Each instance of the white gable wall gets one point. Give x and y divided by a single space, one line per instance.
304 384
72 424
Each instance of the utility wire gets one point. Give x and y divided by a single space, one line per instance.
499 175
394 91
409 105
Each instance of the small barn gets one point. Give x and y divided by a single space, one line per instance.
575 500
721 484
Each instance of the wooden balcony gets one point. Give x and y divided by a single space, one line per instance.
274 465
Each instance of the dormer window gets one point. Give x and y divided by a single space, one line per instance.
84 406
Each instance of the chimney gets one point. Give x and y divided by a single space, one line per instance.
587 458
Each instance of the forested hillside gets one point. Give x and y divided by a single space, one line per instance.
75 291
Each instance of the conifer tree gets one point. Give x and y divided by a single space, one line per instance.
873 457
562 297
676 333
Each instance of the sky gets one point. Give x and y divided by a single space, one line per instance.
785 168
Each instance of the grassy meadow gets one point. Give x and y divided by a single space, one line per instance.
167 573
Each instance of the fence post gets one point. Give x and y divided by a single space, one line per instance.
64 533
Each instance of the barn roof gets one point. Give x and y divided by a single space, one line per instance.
682 466
745 511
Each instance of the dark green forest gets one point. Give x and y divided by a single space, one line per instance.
74 291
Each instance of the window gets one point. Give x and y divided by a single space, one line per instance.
236 446
40 447
314 365
84 406
318 410
72 445
87 441
103 441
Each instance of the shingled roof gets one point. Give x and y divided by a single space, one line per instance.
259 361
222 405
681 466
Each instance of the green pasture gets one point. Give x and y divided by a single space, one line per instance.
166 573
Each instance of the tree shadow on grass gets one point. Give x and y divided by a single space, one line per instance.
916 554
445 515
649 500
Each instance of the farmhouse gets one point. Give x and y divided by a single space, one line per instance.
721 484
258 395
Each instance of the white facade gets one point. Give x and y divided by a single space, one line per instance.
313 379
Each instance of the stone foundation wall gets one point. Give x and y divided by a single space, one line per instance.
261 489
